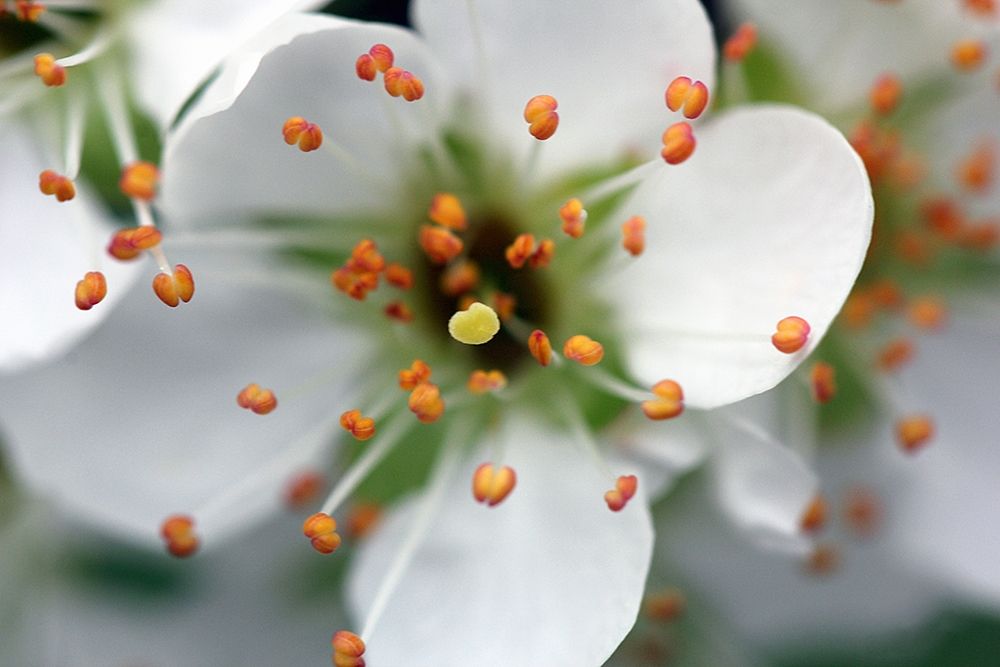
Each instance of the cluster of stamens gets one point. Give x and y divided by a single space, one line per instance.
398 82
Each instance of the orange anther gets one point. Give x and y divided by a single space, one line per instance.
976 172
814 518
178 533
447 211
321 529
362 518
858 310
740 43
416 374
460 277
968 54
823 382
619 496
687 96
914 247
401 83
91 290
823 560
355 285
491 486
518 252
984 8
980 236
504 305
399 311
49 71
257 400
583 350
176 287
129 243
886 93
791 335
365 258
139 180
634 235
362 428
895 353
665 606
51 183
303 489
378 59
365 67
928 312
914 432
943 216
540 347
399 276
886 293
540 114
678 143
348 649
28 10
481 381
669 401
439 244
862 511
426 403
297 130
543 254
574 218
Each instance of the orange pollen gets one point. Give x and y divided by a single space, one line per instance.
401 83
823 560
297 130
417 374
885 94
928 312
543 254
139 180
618 497
321 529
862 511
130 242
678 143
481 381
362 518
518 252
303 489
583 350
439 244
665 606
426 403
365 257
355 285
740 43
914 432
362 428
256 400
49 71
91 290
399 276
687 96
574 218
540 347
634 235
460 277
51 183
176 287
446 210
669 401
178 533
791 335
823 382
968 54
28 10
895 354
814 518
399 311
504 305
347 649
492 486
976 172
540 114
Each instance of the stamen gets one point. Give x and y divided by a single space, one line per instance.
914 432
365 257
574 218
504 304
139 180
634 235
981 236
362 519
669 401
399 311
378 59
665 606
129 243
862 511
540 114
983 8
625 487
418 373
178 533
492 486
355 285
886 93
823 560
303 489
689 97
439 244
740 43
968 55
895 354
321 529
49 71
475 326
91 290
791 335
976 172
928 312
678 143
402 83
426 403
257 400
481 382
459 278
823 382
399 276
814 518
51 183
176 287
362 428
297 130
583 350
886 293
347 649
29 11
446 210
540 347
543 254
520 250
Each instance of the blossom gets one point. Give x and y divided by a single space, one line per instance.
310 156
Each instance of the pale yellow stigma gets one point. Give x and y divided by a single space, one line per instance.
474 326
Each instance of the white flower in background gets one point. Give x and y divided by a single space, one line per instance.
766 220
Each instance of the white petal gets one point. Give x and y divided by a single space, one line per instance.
550 577
224 165
141 422
45 248
769 218
607 67
663 451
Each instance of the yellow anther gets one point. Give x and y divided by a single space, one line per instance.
520 250
91 290
976 172
618 497
178 533
823 382
439 244
543 254
27 10
447 211
687 96
665 606
540 114
139 180
669 401
791 335
574 218
176 287
481 381
401 83
583 350
297 130
634 235
426 403
399 276
968 54
399 311
460 277
417 374
885 94
348 649
740 43
895 354
321 529
51 183
814 518
540 347
928 312
49 71
475 326
678 143
492 486
130 242
914 432
257 400
362 428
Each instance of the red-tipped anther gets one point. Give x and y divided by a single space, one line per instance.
634 235
928 312
583 350
862 511
540 347
321 529
490 485
740 43
303 489
414 376
399 311
814 518
49 71
664 606
618 497
540 114
362 428
574 218
348 649
678 143
362 518
976 172
687 96
27 10
543 254
823 382
460 277
130 242
914 432
51 183
791 335
447 211
256 400
399 276
481 381
176 287
968 54
426 403
504 305
297 130
895 354
139 180
401 83
91 290
669 401
885 94
439 244
520 250
178 534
